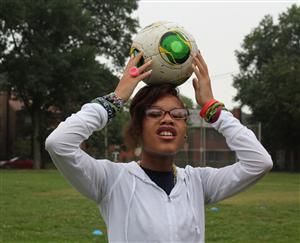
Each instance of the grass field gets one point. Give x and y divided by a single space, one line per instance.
39 206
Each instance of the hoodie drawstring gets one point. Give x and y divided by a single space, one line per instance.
128 210
193 211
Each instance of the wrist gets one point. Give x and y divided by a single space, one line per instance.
206 106
111 103
120 96
115 100
211 110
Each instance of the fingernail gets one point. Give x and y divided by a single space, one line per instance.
150 71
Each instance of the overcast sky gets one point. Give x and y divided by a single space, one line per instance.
218 27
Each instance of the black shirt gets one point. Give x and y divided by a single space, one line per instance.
164 179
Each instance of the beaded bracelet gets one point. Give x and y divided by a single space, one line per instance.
111 103
115 100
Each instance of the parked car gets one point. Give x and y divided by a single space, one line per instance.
17 163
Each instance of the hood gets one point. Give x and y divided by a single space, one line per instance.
136 170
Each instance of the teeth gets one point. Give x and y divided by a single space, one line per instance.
165 133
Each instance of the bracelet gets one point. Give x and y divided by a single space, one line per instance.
211 111
206 106
111 111
115 100
217 114
111 103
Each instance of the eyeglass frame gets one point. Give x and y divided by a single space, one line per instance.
169 112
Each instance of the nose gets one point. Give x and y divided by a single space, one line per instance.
167 119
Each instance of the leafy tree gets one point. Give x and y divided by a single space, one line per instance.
187 102
269 80
48 51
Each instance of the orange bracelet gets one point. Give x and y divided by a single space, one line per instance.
206 106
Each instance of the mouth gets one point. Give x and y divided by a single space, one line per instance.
166 132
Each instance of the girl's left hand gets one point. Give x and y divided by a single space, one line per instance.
201 83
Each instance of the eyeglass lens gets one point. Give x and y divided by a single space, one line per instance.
177 113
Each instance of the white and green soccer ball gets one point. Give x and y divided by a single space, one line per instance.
170 47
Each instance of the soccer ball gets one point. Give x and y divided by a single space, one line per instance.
169 46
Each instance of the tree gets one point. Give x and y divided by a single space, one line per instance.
269 80
187 102
48 51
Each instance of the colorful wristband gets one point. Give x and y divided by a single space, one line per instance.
211 111
111 103
116 101
217 115
111 111
206 106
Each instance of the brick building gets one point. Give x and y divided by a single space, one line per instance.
10 116
205 146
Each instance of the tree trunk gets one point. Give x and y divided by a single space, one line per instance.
292 160
36 138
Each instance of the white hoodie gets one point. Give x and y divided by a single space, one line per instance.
133 207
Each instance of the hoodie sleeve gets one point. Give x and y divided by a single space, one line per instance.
253 161
89 176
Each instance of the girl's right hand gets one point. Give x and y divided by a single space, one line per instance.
128 83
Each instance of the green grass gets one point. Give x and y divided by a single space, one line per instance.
39 206
267 212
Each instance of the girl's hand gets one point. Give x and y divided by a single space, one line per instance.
201 83
128 83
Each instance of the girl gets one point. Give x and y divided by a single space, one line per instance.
152 200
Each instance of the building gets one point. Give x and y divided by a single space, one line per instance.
10 116
205 146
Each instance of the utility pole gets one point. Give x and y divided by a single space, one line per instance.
259 131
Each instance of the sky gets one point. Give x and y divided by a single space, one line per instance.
219 28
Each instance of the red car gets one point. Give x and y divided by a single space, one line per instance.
16 163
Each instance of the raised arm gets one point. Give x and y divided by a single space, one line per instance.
85 173
93 178
253 160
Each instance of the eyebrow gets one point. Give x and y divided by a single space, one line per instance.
164 109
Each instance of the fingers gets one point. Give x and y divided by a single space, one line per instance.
200 64
144 75
197 62
196 84
137 58
197 72
133 61
145 66
200 57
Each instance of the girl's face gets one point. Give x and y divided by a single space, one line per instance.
164 126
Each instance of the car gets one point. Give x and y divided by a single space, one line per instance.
17 163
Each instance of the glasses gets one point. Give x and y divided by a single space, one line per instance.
176 113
